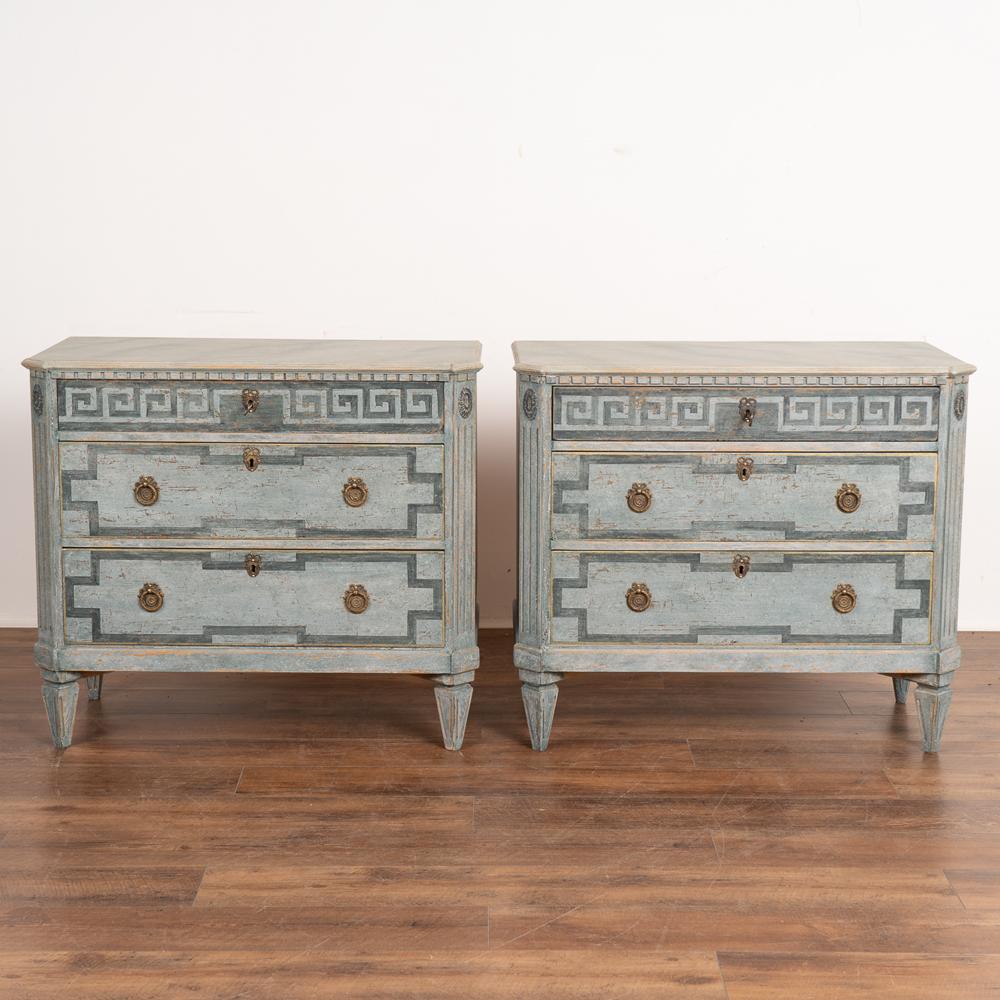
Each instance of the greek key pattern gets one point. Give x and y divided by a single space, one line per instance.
743 381
878 414
151 406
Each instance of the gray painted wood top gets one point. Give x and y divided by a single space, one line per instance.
199 354
607 357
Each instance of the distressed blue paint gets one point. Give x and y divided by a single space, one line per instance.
409 435
899 439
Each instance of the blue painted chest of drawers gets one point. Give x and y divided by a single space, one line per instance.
745 507
223 505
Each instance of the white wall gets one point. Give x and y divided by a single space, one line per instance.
705 170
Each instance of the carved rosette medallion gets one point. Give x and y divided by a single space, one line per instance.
529 404
465 403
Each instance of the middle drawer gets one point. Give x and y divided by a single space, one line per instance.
729 496
258 490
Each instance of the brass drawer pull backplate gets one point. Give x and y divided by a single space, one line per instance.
146 491
638 597
150 597
848 498
356 599
844 599
639 498
355 492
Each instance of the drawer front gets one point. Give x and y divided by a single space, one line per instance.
282 407
729 496
696 597
259 491
296 598
622 414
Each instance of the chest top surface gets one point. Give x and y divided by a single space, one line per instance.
201 354
609 357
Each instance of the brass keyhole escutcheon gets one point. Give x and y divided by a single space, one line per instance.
146 491
251 400
251 459
844 599
638 597
741 566
150 597
848 498
744 469
748 410
355 492
639 498
253 564
356 599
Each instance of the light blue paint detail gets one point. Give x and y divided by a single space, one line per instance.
594 433
95 430
785 598
297 599
698 495
296 491
875 414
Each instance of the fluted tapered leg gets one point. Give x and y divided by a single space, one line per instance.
95 682
453 693
932 704
901 688
539 692
59 692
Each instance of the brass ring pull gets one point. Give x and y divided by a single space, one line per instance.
253 564
844 599
748 410
146 491
251 459
741 566
355 492
639 498
251 400
150 597
356 599
848 498
638 597
744 468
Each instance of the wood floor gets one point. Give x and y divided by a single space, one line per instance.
740 837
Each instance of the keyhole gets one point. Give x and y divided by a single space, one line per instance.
251 463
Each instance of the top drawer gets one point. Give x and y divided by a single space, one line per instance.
248 407
759 413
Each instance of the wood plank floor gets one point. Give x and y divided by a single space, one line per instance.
740 837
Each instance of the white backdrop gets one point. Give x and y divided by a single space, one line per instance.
453 169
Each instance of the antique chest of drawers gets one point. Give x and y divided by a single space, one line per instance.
747 506
255 505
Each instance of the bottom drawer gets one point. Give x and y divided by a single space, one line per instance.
776 598
272 597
